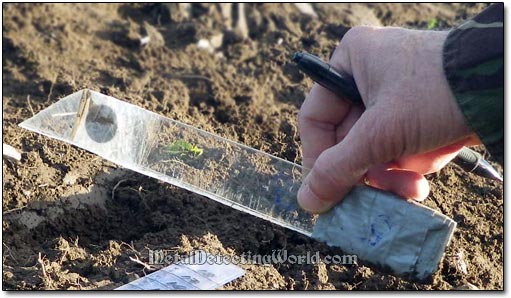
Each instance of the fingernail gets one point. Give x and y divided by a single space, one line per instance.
310 202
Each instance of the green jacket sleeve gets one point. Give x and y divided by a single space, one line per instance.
473 60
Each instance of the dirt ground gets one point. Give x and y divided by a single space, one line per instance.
63 228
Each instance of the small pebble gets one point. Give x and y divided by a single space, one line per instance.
145 40
306 8
69 179
204 44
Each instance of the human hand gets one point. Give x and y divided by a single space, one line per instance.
411 126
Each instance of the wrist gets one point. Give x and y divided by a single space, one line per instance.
453 116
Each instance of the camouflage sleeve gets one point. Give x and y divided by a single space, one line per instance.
474 66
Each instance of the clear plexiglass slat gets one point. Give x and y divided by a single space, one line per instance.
228 172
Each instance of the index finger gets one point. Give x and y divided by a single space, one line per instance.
320 114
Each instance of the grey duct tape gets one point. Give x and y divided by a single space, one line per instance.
386 230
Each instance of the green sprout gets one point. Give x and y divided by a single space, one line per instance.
432 24
182 148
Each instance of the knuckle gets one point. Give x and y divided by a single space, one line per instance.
304 112
354 35
302 118
351 42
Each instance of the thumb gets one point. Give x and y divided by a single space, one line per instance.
340 167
